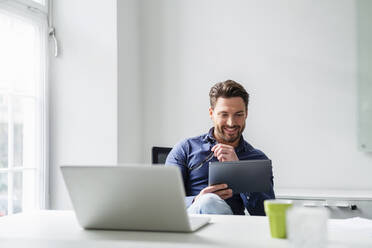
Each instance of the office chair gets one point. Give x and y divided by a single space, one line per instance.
159 154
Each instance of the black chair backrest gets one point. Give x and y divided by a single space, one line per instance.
159 154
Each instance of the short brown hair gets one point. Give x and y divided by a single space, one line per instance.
228 89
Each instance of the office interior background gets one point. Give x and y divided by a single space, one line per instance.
132 74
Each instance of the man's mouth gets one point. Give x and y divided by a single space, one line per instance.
230 130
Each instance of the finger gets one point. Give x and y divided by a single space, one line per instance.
228 194
222 157
224 197
225 146
213 188
217 152
225 150
222 151
220 145
214 148
224 193
228 153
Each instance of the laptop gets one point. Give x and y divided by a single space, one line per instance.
142 198
242 176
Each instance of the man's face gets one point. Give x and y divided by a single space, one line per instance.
228 116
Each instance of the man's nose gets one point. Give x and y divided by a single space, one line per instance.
230 121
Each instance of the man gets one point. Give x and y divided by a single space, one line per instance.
228 111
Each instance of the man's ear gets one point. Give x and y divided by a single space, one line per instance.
211 113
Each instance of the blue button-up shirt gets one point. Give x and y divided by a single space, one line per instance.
191 152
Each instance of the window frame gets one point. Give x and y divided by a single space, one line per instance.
37 14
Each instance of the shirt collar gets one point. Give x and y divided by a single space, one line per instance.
209 138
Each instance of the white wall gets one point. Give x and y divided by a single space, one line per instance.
83 94
130 106
297 59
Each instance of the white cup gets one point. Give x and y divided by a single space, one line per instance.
307 227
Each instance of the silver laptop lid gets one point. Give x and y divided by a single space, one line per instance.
127 197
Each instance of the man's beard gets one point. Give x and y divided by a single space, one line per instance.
227 138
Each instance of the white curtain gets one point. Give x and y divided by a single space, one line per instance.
23 133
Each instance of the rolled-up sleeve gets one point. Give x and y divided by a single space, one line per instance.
178 157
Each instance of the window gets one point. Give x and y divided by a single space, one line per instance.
23 130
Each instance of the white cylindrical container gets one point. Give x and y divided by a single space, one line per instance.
307 227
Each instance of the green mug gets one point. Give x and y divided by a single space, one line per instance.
276 211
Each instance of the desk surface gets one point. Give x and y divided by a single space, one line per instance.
60 229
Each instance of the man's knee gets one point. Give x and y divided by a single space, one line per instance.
213 204
210 199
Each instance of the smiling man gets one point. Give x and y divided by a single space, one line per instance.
224 142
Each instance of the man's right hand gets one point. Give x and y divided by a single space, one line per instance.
221 190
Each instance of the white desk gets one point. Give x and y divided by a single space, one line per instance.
60 229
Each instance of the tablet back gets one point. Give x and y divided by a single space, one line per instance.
242 176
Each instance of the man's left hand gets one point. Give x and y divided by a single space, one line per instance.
224 153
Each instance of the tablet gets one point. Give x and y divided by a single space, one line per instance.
242 176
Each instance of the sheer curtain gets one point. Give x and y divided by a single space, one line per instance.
23 115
